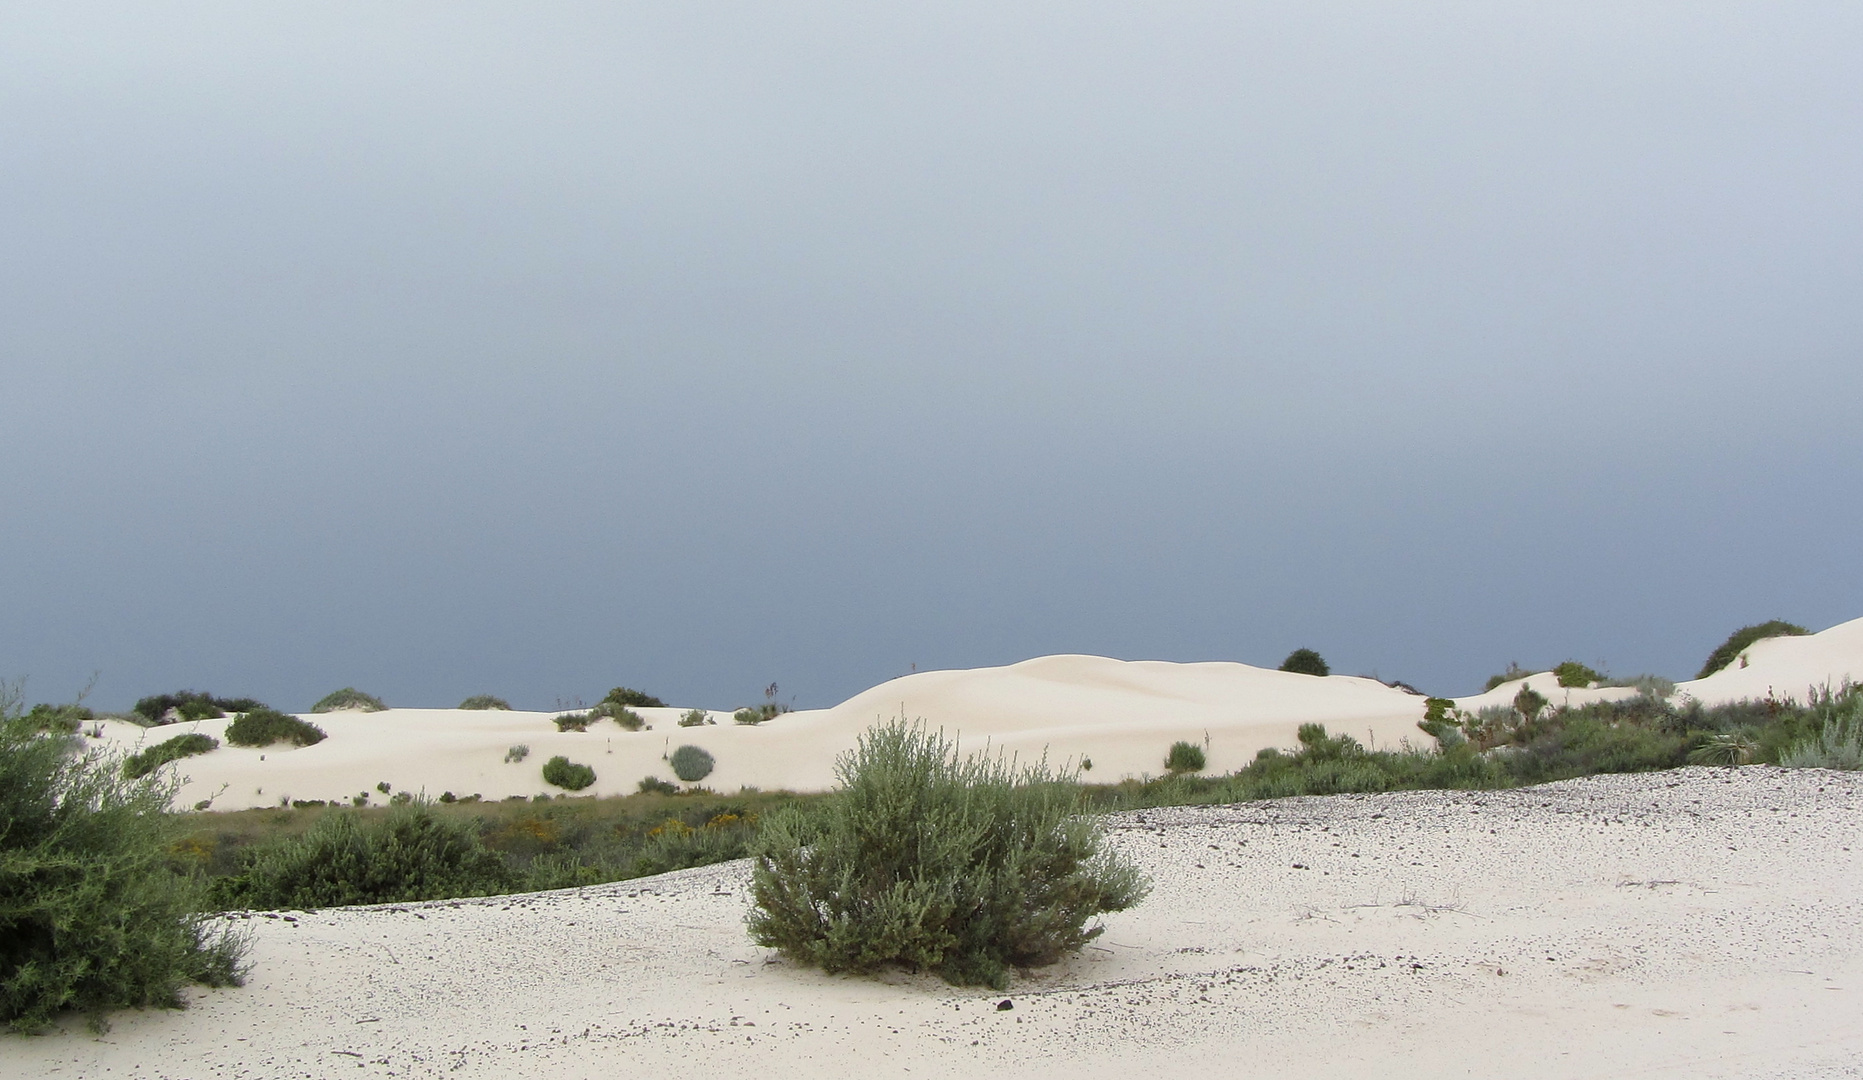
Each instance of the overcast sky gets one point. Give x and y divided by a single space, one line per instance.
533 349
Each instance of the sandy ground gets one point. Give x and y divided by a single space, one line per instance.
1700 923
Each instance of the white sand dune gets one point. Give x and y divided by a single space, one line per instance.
1119 716
1700 923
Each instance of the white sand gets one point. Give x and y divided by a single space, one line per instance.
1122 716
1702 923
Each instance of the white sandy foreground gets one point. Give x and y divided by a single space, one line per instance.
1699 923
1121 717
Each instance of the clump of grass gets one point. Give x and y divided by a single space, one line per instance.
1184 757
348 698
626 718
93 916
485 701
574 721
1728 748
695 718
653 785
410 854
147 761
1837 742
566 774
1514 671
1740 640
930 861
1306 662
691 763
263 727
517 753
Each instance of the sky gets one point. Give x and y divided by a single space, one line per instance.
536 349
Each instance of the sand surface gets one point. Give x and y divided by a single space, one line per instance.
1699 923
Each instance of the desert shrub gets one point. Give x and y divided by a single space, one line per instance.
1305 662
650 785
348 698
1440 722
691 763
695 718
627 718
1650 686
1529 703
1837 742
1740 639
1184 757
621 695
566 774
58 719
962 866
92 914
574 721
749 716
1514 671
1724 748
517 753
411 853
147 761
1575 675
485 701
263 727
191 705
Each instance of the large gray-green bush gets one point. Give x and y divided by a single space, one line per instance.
92 916
966 866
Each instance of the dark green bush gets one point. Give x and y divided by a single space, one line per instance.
695 718
1305 662
627 718
1836 741
191 705
574 721
411 853
92 916
566 774
621 695
964 867
263 727
691 763
1184 757
654 785
1529 703
348 698
147 761
1514 671
1740 639
1574 675
58 719
485 701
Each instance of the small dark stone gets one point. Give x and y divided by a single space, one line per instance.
1005 1005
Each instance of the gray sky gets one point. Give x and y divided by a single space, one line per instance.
537 348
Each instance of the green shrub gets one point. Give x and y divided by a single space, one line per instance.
574 721
1529 703
348 698
1574 675
92 915
1740 639
621 695
191 705
147 761
1305 662
652 785
566 774
1440 721
964 867
749 716
695 718
1184 757
263 727
517 753
1724 748
411 853
58 719
1838 740
627 718
691 763
485 701
1514 671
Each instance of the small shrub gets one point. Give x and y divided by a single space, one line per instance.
147 761
627 718
485 701
1185 757
58 719
1741 639
573 721
621 695
263 727
191 705
410 854
1576 676
695 718
566 774
1440 721
93 915
1724 748
962 866
448 797
1514 671
517 753
1305 662
691 763
348 698
653 785
748 716
1529 703
1838 741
